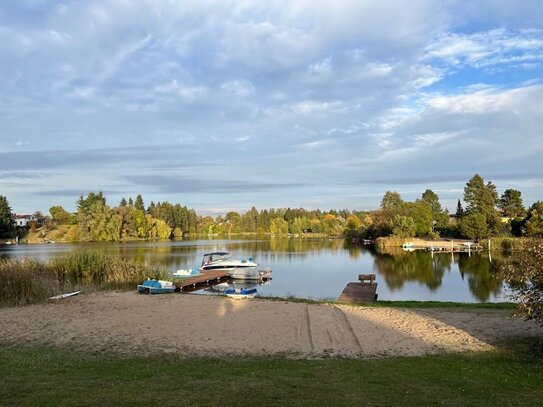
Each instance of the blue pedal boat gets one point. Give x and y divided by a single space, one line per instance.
240 292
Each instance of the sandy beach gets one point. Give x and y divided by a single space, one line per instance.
197 325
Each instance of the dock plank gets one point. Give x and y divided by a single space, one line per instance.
359 292
202 280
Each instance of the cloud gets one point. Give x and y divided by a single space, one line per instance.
178 184
261 94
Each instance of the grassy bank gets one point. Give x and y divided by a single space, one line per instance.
28 281
45 376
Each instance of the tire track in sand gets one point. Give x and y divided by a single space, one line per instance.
349 328
303 332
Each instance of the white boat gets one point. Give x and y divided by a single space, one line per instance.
183 273
222 261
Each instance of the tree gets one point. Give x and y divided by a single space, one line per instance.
403 226
525 274
60 216
138 204
511 205
6 218
473 226
84 204
459 210
482 199
279 226
391 199
440 218
533 225
123 202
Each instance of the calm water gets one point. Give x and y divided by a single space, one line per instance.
318 268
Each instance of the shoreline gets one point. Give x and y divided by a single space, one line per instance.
206 326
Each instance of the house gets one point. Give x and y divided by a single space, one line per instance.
23 221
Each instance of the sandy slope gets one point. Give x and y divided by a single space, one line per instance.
214 326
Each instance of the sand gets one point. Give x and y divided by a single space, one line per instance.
196 325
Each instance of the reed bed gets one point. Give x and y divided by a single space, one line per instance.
28 281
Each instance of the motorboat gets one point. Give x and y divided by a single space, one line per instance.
237 269
223 261
152 286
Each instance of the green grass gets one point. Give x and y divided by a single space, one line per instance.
402 304
51 377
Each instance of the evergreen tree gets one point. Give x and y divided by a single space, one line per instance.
511 205
123 202
459 210
130 202
391 199
482 199
6 218
138 204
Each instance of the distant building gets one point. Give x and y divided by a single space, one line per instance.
22 221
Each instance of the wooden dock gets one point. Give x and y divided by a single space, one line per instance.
203 280
364 291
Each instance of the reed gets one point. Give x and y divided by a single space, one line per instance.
27 281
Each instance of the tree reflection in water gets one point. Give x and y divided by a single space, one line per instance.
482 274
398 267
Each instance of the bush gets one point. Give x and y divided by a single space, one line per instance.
525 275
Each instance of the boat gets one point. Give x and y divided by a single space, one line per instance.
183 273
65 295
239 293
152 286
238 269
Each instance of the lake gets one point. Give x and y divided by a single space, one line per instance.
317 268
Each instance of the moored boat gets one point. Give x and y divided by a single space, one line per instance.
240 293
152 286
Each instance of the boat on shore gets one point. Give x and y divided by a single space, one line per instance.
152 286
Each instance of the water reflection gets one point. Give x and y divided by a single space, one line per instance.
319 268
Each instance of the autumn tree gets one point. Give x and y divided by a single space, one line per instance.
391 199
60 216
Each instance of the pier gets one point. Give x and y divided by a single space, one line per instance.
363 291
203 280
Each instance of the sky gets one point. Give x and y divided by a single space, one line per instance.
222 105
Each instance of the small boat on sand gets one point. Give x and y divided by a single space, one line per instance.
152 286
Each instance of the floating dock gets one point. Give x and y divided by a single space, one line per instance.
363 291
203 280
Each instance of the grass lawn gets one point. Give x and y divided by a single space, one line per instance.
52 376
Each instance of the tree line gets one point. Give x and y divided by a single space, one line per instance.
485 214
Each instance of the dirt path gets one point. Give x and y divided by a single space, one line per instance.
196 325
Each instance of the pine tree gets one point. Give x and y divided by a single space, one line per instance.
123 202
459 210
139 205
6 218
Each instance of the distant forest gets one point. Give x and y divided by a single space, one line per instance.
485 214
